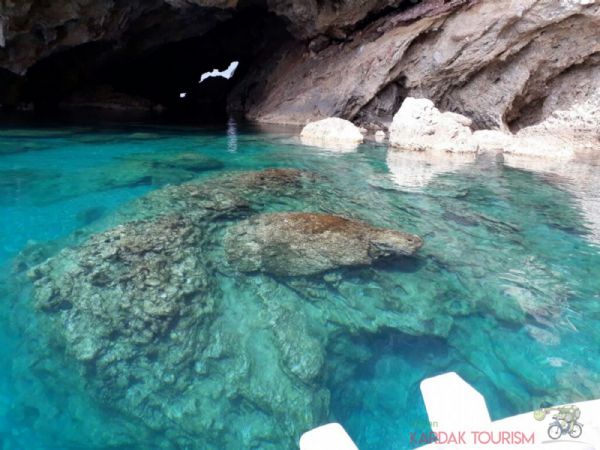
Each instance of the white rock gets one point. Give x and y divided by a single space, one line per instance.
380 136
531 141
492 140
332 133
419 125
542 145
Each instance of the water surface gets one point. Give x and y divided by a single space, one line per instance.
505 290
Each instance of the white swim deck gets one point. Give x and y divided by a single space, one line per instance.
461 420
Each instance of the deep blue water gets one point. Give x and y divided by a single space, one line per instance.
505 290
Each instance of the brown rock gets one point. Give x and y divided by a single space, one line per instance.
307 243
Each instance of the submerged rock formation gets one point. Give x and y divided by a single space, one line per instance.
138 310
138 307
304 243
136 282
42 187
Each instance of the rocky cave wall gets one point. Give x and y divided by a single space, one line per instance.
494 61
502 63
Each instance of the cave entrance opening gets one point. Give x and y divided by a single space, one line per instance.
133 74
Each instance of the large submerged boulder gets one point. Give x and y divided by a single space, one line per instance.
131 285
306 243
138 308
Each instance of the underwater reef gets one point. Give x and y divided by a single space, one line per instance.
138 309
188 350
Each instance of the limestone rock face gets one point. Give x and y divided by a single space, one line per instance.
567 122
66 24
331 132
309 18
491 61
562 136
304 243
492 140
419 125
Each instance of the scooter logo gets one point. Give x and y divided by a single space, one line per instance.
564 421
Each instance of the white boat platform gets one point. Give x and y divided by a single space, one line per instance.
462 421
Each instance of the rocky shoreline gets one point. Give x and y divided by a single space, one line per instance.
419 126
527 69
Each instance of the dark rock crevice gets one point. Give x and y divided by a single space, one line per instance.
574 84
137 74
379 112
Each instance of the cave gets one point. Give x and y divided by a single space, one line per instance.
241 224
142 75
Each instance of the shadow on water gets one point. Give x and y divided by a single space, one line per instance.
404 264
90 215
387 374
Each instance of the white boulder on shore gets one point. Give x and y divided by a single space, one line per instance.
419 125
332 133
532 141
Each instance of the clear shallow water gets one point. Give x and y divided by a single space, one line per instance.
505 290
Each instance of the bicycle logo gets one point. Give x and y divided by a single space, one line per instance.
565 421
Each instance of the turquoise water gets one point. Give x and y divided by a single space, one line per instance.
505 292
